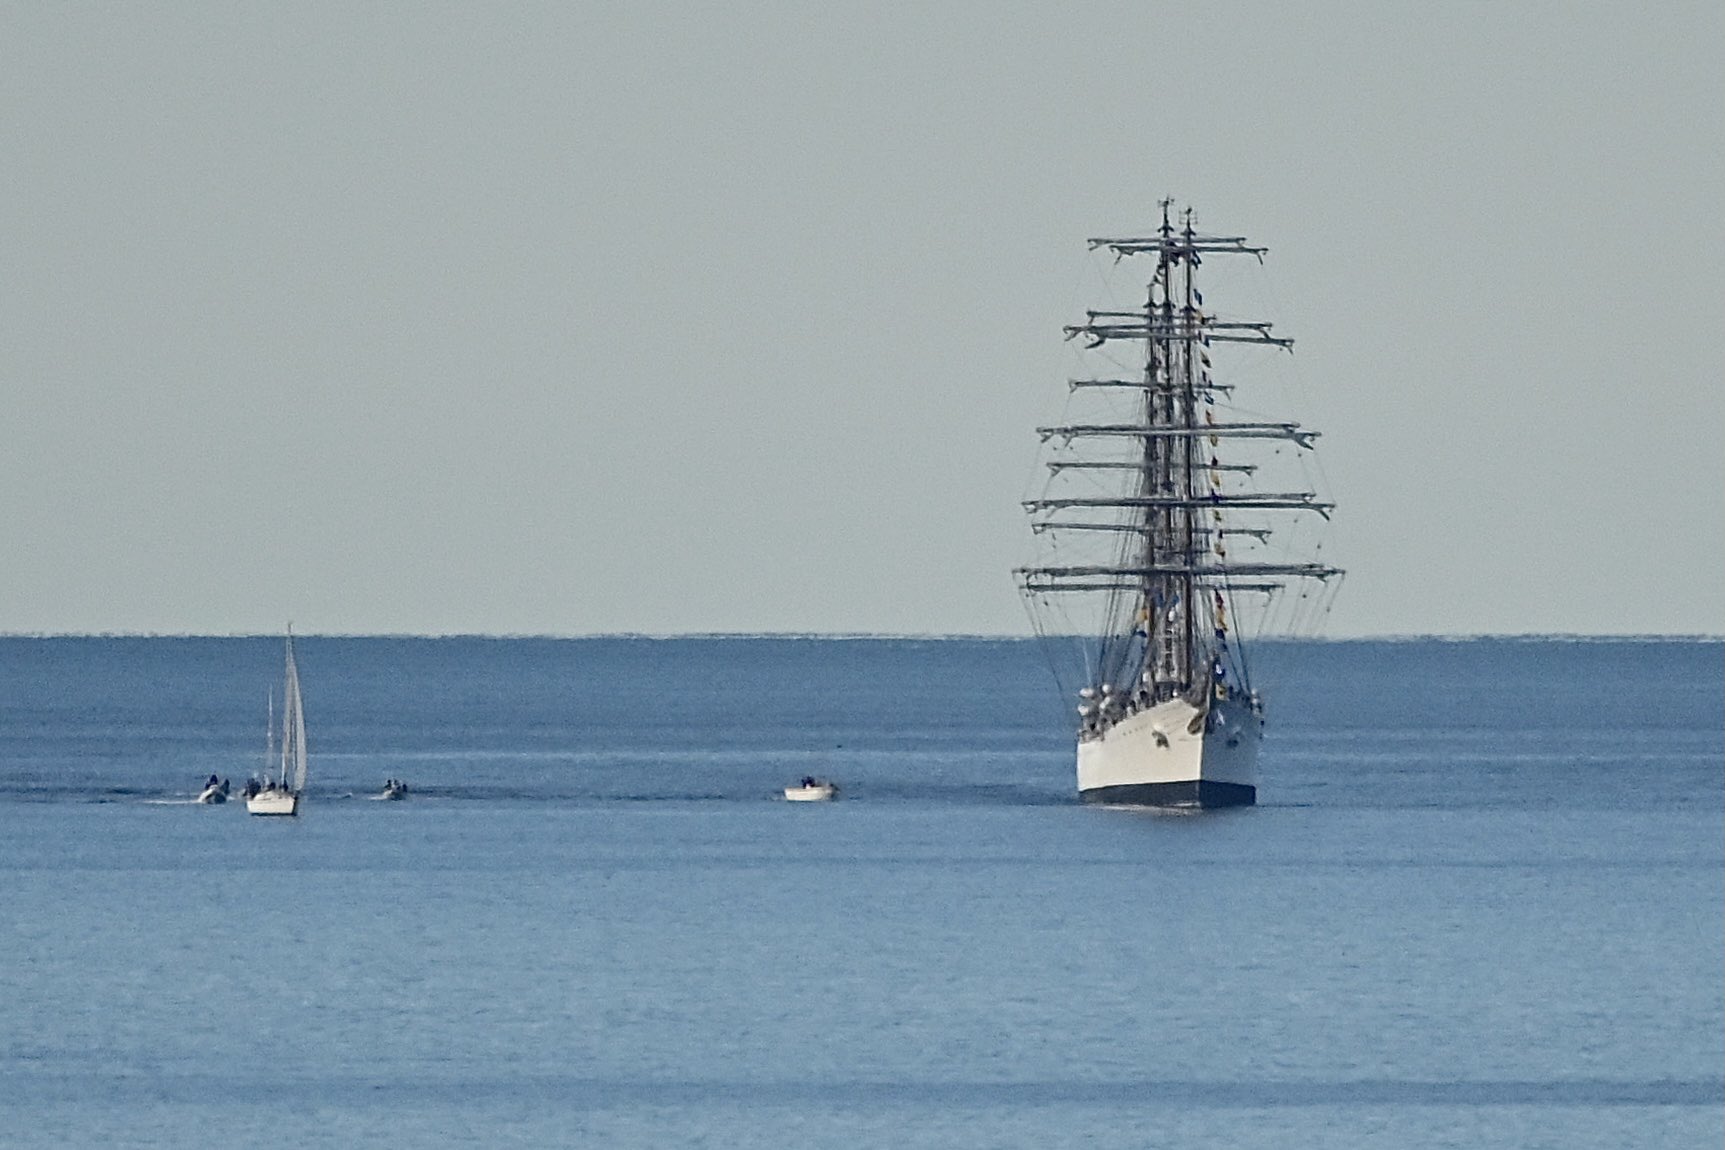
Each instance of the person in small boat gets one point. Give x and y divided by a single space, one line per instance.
808 780
213 781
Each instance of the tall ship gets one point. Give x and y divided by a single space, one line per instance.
1158 517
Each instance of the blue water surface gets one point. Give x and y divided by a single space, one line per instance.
1481 902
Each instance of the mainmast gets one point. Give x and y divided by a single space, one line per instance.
1181 676
1165 606
1171 580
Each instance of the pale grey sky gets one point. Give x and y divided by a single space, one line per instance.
589 318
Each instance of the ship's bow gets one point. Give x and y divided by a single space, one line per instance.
1174 754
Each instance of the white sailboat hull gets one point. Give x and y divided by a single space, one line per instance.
1155 758
273 803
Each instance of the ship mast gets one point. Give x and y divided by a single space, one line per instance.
1164 606
1171 570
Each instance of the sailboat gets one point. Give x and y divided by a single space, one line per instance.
1151 518
281 794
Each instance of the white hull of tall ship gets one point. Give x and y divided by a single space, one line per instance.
273 802
1169 755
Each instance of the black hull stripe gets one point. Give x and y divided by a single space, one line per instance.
1192 793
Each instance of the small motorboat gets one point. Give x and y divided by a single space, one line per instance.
393 790
215 791
812 790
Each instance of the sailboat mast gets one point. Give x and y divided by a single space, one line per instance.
269 731
287 709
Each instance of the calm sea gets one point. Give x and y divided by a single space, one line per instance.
1481 904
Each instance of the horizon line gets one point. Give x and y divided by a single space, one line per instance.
926 636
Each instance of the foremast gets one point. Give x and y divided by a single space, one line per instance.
1171 585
